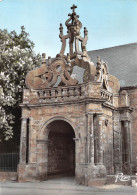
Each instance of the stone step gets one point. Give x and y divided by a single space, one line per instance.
97 182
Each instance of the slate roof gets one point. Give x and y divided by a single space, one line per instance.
121 61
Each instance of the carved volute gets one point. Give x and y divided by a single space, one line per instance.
74 25
62 66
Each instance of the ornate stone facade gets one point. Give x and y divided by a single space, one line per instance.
70 127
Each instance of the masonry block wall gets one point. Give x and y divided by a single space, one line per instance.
132 93
103 132
108 140
96 131
101 122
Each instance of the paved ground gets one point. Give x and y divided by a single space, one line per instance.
62 186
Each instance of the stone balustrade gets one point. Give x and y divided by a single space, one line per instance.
68 93
65 93
107 95
60 92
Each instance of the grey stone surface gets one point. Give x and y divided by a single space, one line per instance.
62 186
78 73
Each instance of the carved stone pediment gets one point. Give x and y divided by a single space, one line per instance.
62 66
61 72
46 76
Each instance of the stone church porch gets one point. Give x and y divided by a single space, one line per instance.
74 125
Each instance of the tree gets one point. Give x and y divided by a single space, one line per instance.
16 59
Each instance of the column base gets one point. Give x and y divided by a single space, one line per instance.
117 168
88 174
31 172
22 172
101 170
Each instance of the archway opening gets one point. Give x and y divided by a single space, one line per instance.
61 149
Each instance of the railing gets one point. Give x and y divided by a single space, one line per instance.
70 93
9 162
106 95
60 92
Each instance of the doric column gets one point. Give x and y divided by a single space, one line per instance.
77 150
42 150
127 141
117 143
79 165
99 129
23 140
90 138
130 141
42 159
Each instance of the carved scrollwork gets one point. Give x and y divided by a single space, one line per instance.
62 65
74 25
46 76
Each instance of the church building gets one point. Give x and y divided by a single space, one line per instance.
78 118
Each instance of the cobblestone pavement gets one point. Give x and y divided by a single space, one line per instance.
62 186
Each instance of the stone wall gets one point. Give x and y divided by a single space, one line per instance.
40 118
132 92
108 140
94 115
8 176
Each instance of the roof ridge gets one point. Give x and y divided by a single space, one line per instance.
113 47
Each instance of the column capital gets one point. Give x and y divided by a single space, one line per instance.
126 123
90 113
24 118
99 114
76 139
42 141
125 118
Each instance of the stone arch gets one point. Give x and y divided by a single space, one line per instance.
43 132
61 149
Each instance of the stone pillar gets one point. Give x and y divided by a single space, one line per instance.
90 139
100 169
42 159
127 141
130 140
23 141
82 147
117 144
22 170
100 146
77 150
78 170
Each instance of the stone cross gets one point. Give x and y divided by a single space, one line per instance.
73 8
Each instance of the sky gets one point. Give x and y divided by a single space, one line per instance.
109 22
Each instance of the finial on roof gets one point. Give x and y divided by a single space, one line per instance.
73 34
85 31
74 22
98 61
68 58
43 58
61 29
49 59
73 8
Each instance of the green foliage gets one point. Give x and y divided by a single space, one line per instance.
16 59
